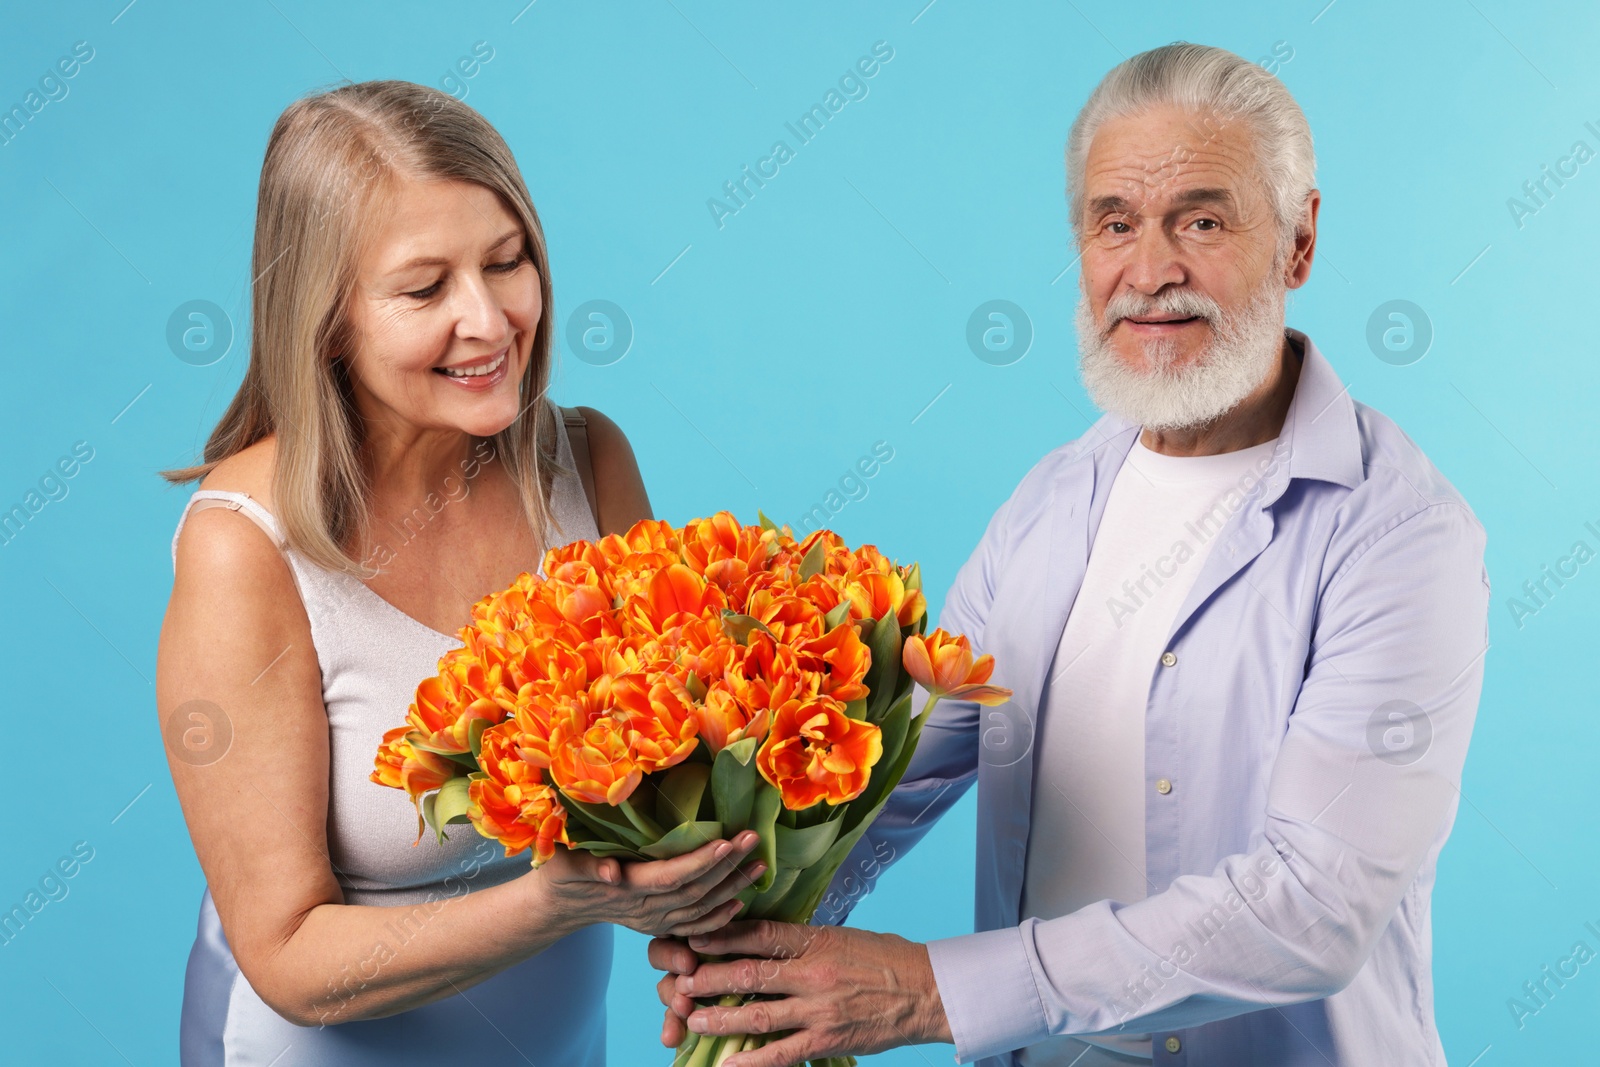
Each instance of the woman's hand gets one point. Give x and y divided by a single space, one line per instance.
690 894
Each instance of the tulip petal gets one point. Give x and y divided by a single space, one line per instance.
980 694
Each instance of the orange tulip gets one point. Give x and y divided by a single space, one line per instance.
836 554
595 765
508 601
705 649
676 595
824 591
445 706
765 674
578 603
721 538
815 751
843 657
789 618
541 708
867 559
588 552
553 660
392 753
943 665
631 576
400 765
634 654
659 718
873 593
652 535
723 719
513 804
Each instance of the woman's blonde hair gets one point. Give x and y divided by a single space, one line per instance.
330 163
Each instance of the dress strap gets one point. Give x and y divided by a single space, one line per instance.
578 441
223 498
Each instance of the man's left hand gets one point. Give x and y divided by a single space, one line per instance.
841 991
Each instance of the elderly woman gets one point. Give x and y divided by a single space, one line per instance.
396 455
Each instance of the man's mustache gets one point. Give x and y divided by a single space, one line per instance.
1183 303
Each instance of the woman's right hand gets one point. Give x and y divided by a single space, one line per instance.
689 894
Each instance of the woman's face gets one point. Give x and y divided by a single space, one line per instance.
444 311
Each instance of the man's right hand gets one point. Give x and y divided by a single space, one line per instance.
675 957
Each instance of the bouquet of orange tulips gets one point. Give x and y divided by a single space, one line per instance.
662 688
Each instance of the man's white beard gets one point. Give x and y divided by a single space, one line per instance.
1244 348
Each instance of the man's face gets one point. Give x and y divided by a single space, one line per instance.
1182 273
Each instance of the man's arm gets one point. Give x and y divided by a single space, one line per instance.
1352 813
1354 806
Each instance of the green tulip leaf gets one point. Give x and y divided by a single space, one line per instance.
679 794
684 838
896 726
475 730
807 845
733 784
739 627
814 560
912 578
763 820
759 904
607 822
427 815
451 805
883 675
603 849
418 740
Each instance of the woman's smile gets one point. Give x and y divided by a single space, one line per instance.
480 374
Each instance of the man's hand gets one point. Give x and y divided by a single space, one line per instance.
841 991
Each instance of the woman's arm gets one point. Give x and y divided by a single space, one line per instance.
236 635
618 487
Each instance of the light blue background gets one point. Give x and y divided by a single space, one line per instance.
826 315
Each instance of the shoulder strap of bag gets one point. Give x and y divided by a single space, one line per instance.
578 438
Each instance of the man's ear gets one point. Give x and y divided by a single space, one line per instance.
1298 269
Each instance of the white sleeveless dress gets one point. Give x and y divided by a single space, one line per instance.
548 1010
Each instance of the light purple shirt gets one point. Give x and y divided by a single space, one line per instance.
1304 737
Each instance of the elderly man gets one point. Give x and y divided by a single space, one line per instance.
1244 619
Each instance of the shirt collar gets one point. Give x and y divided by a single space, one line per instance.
1320 433
1324 438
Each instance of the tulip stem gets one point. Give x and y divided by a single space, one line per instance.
704 1049
685 1049
731 1044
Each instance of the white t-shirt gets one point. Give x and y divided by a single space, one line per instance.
1086 838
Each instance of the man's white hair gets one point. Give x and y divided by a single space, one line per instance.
1211 82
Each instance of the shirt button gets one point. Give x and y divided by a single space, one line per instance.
1169 659
1173 1044
1163 786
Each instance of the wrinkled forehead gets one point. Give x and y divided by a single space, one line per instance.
415 215
1166 157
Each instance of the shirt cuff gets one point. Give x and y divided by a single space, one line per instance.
991 1000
